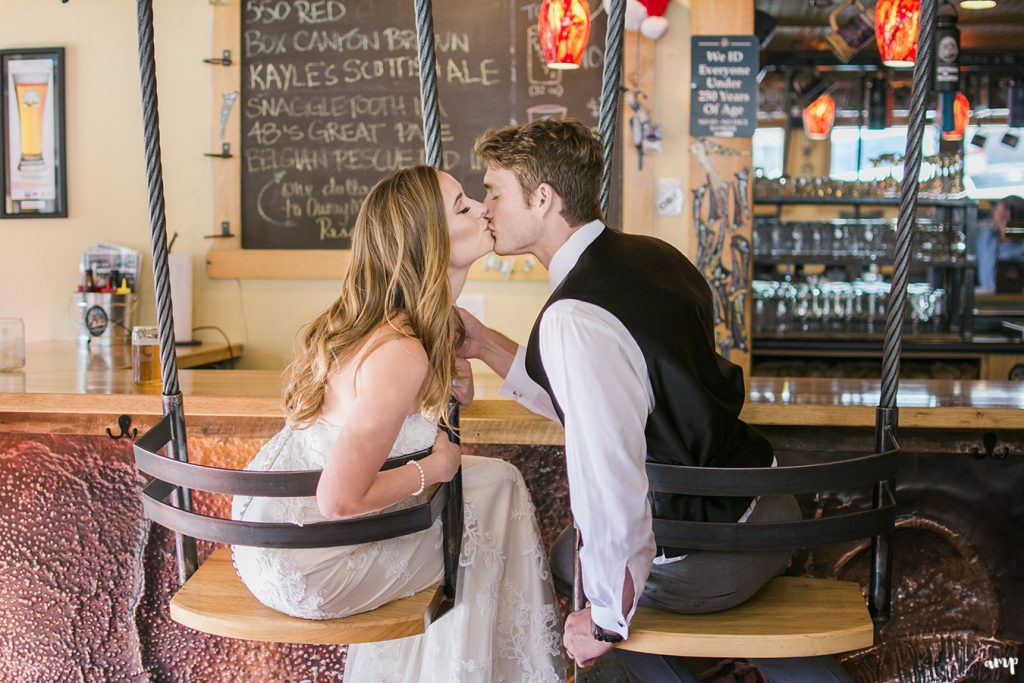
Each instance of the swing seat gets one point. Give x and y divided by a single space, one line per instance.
790 617
214 600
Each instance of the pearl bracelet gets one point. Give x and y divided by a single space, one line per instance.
423 478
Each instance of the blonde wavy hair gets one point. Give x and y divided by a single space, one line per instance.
397 277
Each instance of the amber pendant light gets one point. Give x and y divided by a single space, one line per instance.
819 116
896 31
564 29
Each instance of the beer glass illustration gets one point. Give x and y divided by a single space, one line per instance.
30 88
546 111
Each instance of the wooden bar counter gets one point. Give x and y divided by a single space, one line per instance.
87 578
66 389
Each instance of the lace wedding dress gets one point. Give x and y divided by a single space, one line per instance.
505 625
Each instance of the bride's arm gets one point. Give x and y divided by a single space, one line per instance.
387 389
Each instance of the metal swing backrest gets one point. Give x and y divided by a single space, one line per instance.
875 469
170 476
167 499
789 616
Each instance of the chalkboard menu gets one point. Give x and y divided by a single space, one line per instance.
330 102
724 86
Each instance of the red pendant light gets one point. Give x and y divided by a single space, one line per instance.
819 116
564 29
961 115
896 31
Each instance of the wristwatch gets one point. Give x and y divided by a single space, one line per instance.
604 635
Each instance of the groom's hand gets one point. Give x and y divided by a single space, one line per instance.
496 350
579 640
474 334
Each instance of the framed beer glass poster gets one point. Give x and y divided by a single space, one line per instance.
34 168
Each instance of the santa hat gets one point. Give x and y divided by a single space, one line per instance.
646 16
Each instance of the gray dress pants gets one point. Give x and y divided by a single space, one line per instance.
711 581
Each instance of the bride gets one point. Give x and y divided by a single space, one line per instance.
371 381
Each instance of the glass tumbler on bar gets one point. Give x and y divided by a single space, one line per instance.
12 344
146 356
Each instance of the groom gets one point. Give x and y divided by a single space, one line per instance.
622 355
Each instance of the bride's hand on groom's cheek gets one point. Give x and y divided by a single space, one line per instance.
462 385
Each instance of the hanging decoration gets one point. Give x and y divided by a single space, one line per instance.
819 116
564 30
953 128
645 16
896 31
852 29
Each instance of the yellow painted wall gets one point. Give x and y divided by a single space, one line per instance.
672 110
106 176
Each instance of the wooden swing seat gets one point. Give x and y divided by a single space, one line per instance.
214 600
789 617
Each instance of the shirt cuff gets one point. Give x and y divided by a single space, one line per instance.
610 620
516 378
520 387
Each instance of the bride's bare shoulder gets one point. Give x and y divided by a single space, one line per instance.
387 369
392 353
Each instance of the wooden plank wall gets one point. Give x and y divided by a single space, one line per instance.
727 156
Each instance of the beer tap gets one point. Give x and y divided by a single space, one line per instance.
739 281
741 209
718 284
703 238
713 213
724 342
740 264
638 124
739 333
723 203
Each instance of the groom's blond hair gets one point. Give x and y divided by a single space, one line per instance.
564 154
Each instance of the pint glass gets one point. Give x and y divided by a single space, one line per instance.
146 356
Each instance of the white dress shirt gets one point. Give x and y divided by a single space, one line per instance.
599 376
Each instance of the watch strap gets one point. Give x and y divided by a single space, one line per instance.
604 635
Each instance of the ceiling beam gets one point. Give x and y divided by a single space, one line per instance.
868 61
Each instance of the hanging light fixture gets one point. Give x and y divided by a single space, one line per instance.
977 4
564 29
896 31
961 115
819 116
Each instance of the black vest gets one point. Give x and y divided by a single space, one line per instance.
665 304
